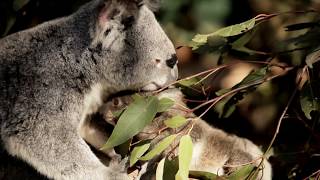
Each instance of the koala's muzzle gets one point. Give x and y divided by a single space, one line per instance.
172 61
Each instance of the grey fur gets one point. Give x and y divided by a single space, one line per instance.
54 75
214 150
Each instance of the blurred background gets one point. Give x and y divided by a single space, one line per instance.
296 152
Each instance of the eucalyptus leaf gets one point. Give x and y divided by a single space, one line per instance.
175 122
309 98
232 30
252 77
137 115
300 26
137 97
124 148
160 169
189 82
242 173
117 114
19 4
137 152
204 175
159 148
185 157
243 40
10 23
223 91
165 104
227 106
171 168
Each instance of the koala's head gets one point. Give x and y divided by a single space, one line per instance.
118 103
130 48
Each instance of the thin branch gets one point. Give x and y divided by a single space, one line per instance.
285 111
219 98
196 75
313 174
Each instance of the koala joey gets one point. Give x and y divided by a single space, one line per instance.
54 75
214 150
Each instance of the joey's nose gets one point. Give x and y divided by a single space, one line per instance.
172 61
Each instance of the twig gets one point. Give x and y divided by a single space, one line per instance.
285 111
193 76
219 98
280 121
313 174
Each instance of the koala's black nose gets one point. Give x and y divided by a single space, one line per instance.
172 61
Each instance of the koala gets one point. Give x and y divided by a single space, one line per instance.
54 75
214 150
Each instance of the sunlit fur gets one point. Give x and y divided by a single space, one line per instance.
54 75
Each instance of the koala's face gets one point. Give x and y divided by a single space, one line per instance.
134 51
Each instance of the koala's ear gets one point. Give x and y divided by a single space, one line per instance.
153 5
121 11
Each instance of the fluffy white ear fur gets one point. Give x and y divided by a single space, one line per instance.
153 5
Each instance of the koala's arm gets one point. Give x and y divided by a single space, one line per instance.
52 144
42 104
95 131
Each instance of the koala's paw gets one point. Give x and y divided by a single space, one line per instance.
119 165
118 169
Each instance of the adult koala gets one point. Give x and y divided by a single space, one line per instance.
55 74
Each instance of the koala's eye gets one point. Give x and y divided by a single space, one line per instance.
128 22
116 102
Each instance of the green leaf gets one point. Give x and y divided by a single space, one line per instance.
309 40
300 26
137 115
137 97
203 175
240 44
254 76
137 152
214 43
227 106
227 31
159 148
165 104
10 23
19 4
189 82
185 157
242 173
160 169
175 122
222 92
117 114
243 40
308 98
170 168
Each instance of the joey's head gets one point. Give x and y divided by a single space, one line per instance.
118 103
131 50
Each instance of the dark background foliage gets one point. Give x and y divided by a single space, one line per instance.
296 151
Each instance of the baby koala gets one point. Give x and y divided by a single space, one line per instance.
214 150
